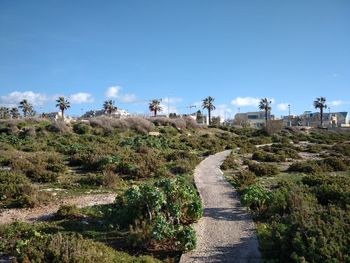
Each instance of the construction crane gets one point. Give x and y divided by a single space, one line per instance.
190 107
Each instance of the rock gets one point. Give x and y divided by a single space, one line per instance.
154 133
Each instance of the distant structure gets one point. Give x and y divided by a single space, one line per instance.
53 115
119 113
312 119
252 119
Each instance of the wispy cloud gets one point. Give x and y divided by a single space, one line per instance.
282 106
171 100
248 101
245 101
222 110
114 93
335 103
81 97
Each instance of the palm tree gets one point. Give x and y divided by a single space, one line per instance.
265 105
63 105
109 106
155 107
208 104
14 113
320 103
26 107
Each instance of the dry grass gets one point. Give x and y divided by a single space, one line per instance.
138 124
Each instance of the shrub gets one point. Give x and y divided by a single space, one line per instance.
81 128
59 127
263 169
39 166
243 179
335 163
68 211
34 246
140 125
305 167
255 197
268 157
330 164
230 162
17 191
160 212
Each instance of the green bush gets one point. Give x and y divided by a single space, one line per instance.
242 179
68 211
17 191
107 179
39 166
330 164
305 167
230 162
263 169
268 157
255 197
81 128
159 212
34 246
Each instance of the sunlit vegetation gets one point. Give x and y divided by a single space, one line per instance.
301 214
296 186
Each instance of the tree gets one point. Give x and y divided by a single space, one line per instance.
26 107
4 113
265 105
14 113
208 104
199 116
155 107
109 107
63 105
320 103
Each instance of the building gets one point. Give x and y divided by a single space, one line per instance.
253 119
119 113
313 119
53 115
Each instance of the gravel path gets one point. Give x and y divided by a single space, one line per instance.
45 212
225 233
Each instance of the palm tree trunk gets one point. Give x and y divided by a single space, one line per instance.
62 114
209 116
155 113
266 117
321 113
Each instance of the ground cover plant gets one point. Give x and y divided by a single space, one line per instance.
106 155
302 215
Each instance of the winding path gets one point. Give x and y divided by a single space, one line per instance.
225 233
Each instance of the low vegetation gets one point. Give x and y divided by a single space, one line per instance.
302 215
300 204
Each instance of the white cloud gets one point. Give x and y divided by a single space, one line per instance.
223 111
170 109
335 103
282 106
171 100
81 97
16 96
246 101
114 93
127 98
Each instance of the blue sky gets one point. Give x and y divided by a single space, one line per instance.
132 51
